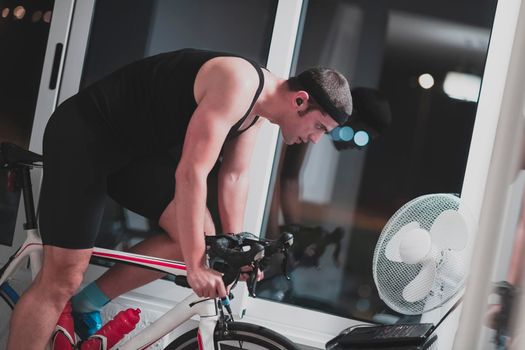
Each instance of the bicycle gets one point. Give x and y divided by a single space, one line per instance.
226 254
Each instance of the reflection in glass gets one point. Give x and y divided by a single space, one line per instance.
337 200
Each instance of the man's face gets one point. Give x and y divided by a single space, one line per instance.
309 127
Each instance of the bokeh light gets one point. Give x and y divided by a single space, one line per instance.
346 133
19 12
426 81
47 16
361 138
37 16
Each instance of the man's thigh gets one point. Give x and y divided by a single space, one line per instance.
77 159
145 185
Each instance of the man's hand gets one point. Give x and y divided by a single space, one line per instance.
206 283
245 273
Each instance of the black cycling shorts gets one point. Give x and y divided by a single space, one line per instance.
84 162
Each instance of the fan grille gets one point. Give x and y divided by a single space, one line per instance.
392 277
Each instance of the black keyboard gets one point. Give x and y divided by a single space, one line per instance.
390 335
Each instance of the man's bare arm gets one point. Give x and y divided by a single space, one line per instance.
201 150
233 179
221 102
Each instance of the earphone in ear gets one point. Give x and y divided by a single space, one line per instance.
299 101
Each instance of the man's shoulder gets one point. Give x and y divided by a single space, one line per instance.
228 81
234 71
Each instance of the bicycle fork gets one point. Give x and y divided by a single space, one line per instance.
192 305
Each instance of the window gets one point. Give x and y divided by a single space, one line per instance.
337 202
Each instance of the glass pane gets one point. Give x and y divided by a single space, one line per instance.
123 31
24 27
338 200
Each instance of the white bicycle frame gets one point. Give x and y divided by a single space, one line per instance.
192 305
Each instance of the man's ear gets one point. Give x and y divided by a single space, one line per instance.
300 99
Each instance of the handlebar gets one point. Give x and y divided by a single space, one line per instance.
229 253
271 247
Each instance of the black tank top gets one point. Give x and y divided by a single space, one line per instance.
149 103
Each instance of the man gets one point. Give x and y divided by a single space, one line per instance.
122 136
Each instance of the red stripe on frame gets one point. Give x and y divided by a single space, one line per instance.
141 260
199 340
27 246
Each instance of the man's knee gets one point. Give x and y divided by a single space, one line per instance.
63 270
59 284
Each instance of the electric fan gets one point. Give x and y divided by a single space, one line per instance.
420 258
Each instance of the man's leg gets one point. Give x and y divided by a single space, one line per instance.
36 314
122 278
146 186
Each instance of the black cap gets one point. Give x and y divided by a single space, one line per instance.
370 112
370 108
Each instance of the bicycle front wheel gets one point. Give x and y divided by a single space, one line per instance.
239 336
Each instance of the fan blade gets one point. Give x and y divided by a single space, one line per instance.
392 248
419 287
449 231
415 246
451 273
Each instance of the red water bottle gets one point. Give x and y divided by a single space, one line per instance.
113 331
64 335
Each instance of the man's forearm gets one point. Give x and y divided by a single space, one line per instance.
189 208
233 192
